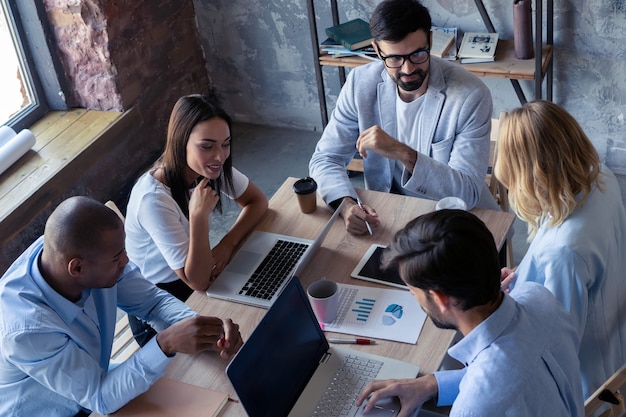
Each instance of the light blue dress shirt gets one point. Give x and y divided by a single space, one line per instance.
583 263
54 354
521 361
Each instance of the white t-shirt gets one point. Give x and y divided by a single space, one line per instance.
408 119
157 231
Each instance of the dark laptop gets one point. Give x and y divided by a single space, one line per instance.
287 368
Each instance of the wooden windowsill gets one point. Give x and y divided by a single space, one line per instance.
67 144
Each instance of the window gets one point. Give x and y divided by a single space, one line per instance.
29 86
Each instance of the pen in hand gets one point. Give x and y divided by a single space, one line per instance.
369 228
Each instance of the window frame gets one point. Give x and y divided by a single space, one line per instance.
41 64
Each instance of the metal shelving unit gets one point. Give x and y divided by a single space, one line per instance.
505 66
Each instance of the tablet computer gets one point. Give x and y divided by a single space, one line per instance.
369 269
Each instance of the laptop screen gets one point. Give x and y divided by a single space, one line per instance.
276 362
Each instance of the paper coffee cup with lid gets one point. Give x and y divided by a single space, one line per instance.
306 192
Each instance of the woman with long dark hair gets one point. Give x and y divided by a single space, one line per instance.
169 212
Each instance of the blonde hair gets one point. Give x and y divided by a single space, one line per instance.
545 159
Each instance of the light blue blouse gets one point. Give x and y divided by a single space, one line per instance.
583 263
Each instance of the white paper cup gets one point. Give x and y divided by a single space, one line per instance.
451 203
324 298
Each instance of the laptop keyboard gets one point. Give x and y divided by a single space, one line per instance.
274 269
349 380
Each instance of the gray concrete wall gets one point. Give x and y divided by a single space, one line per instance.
261 61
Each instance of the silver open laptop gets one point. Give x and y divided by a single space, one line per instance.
263 265
287 368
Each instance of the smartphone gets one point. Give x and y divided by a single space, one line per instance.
369 269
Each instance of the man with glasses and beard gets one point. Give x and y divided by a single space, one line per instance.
420 123
520 350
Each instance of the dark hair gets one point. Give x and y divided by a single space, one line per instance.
393 20
187 113
451 251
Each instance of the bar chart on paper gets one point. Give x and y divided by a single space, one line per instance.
378 312
363 308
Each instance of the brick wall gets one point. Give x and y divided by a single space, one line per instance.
118 54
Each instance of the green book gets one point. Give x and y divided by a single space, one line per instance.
354 34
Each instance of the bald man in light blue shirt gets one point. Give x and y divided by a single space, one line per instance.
58 306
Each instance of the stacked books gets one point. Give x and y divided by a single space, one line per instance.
337 50
478 47
352 38
354 34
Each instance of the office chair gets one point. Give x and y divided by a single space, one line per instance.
110 204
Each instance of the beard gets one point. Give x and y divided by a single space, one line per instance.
442 324
437 319
412 85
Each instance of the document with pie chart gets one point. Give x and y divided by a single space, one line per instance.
378 312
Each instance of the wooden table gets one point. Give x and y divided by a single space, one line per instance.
335 260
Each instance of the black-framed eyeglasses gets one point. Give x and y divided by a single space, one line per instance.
419 56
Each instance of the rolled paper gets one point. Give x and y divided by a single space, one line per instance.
6 134
15 148
523 29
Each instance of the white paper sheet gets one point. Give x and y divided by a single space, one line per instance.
13 150
379 313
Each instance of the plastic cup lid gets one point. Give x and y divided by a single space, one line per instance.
305 186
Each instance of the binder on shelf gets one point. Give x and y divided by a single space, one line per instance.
354 34
478 47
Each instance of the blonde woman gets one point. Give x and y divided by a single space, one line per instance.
576 228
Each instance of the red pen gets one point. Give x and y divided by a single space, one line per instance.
352 341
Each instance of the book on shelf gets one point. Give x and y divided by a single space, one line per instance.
441 42
450 55
330 45
353 34
478 47
337 50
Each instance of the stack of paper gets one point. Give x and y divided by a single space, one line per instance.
337 50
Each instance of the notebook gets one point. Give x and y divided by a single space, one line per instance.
252 278
168 398
286 367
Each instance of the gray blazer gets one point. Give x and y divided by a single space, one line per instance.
453 145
